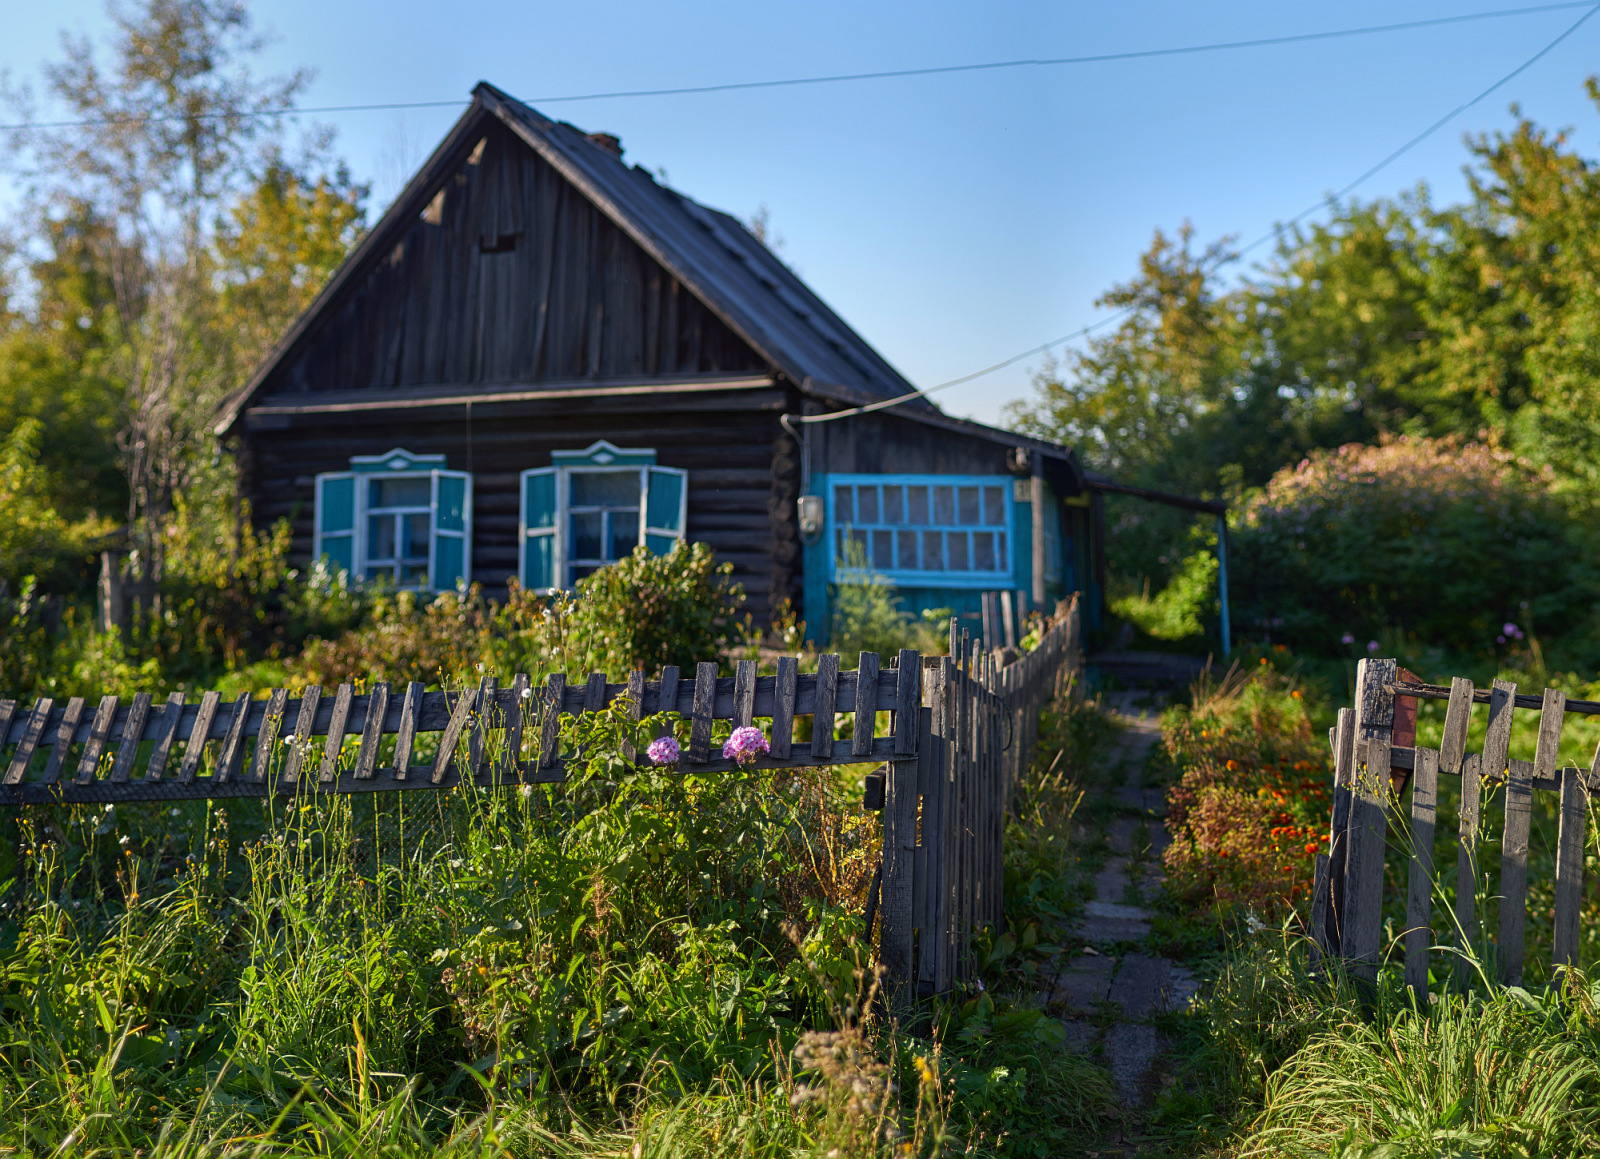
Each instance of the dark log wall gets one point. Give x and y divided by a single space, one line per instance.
510 275
726 441
882 444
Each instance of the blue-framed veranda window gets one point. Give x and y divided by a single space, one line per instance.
398 518
947 531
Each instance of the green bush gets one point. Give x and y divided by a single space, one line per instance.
867 616
35 542
1437 540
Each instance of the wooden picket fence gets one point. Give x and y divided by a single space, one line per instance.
944 812
1375 755
960 729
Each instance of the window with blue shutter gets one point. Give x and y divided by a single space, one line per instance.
334 528
397 518
592 508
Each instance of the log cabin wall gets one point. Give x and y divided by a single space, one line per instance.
510 274
727 441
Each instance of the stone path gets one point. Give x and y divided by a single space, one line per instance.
1109 991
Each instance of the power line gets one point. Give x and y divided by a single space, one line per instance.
1275 232
836 78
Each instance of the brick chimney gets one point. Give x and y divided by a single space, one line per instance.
610 142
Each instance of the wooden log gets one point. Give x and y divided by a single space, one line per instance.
337 727
480 723
822 711
866 718
705 691
166 732
1569 864
194 749
300 743
783 706
99 737
232 754
594 691
667 690
31 735
1514 842
372 733
1419 891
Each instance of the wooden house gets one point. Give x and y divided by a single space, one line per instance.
542 357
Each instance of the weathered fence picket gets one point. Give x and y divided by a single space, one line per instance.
1369 772
961 729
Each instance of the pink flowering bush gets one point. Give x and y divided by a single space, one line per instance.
1436 538
745 745
663 751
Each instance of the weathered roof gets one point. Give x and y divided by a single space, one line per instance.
710 252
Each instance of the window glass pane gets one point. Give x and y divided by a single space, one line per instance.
844 508
605 489
883 549
623 533
894 503
944 506
1000 563
994 506
858 549
917 504
967 504
983 551
907 542
416 492
577 571
416 531
586 535
380 571
957 542
866 504
380 537
414 575
933 550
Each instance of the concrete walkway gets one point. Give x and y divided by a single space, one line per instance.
1116 980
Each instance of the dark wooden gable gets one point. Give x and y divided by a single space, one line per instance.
510 274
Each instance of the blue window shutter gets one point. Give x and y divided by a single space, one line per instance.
666 512
334 531
538 562
452 529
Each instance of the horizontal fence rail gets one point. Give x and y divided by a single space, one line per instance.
1371 775
140 750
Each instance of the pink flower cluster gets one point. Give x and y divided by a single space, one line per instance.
1509 632
745 745
663 751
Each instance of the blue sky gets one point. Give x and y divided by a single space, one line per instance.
954 220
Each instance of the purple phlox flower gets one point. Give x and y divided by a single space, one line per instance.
663 751
1347 638
745 745
1499 639
1372 645
1512 631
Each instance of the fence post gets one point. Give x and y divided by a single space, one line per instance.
895 917
1362 930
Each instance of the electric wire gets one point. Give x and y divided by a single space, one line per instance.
1275 232
837 78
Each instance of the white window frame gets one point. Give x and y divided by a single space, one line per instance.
365 469
598 458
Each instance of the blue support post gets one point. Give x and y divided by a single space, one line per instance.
1222 579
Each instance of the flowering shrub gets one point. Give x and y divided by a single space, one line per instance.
1435 538
1250 808
745 745
664 751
